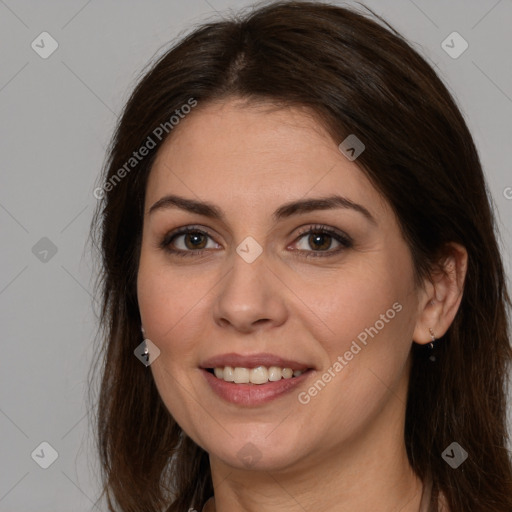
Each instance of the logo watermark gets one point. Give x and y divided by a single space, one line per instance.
454 45
454 455
249 455
352 147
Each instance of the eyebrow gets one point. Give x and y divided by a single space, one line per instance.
287 210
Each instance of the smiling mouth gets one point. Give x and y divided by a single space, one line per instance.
258 375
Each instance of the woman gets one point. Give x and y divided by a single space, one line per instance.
298 245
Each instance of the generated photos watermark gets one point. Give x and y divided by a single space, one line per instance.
150 143
305 397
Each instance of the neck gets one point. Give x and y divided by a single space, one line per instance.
368 472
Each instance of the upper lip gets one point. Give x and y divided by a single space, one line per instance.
252 361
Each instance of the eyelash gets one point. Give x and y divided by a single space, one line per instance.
345 241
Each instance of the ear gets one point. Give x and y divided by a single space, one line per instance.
442 293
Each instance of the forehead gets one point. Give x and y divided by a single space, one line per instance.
236 153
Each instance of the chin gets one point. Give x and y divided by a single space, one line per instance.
258 454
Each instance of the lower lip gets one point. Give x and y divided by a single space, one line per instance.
253 394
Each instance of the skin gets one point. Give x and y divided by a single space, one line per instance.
344 449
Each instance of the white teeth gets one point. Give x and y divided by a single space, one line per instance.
274 373
287 373
241 375
258 375
228 374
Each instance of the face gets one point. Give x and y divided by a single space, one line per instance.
290 259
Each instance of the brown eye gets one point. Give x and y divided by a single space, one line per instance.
195 240
188 241
322 241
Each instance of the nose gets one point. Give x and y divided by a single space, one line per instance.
250 298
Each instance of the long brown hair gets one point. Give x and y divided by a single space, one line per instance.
361 78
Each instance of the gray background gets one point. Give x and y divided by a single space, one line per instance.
56 117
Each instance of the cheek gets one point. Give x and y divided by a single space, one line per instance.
367 321
154 300
173 306
356 302
365 366
156 293
372 335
